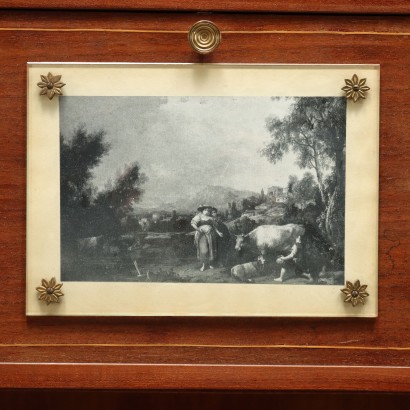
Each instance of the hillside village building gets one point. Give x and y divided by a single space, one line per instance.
277 194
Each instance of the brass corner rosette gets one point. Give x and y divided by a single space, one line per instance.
50 85
355 89
355 293
50 291
204 37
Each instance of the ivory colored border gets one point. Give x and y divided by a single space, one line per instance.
176 299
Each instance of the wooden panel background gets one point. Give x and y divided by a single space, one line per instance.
283 6
208 353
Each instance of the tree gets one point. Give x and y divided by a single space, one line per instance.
262 197
233 210
315 130
302 193
116 202
125 191
78 157
245 204
84 210
303 203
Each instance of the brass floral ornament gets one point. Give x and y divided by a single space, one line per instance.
355 293
355 88
50 291
51 85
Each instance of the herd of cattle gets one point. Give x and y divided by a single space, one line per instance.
262 244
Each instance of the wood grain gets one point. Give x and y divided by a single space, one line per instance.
205 377
200 355
180 23
283 6
379 347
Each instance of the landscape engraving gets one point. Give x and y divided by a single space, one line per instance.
244 190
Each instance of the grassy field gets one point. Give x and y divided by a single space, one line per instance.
163 258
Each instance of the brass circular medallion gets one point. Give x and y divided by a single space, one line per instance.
204 37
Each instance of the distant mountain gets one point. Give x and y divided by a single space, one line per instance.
217 196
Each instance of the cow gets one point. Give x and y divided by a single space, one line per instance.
269 239
247 271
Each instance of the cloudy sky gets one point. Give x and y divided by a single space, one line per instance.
183 143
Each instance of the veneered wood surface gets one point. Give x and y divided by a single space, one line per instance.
283 6
258 353
208 377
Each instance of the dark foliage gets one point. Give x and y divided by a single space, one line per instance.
84 211
125 191
78 157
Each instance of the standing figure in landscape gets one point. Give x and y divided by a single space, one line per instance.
291 264
206 236
223 240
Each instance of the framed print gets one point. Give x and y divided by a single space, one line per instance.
202 190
